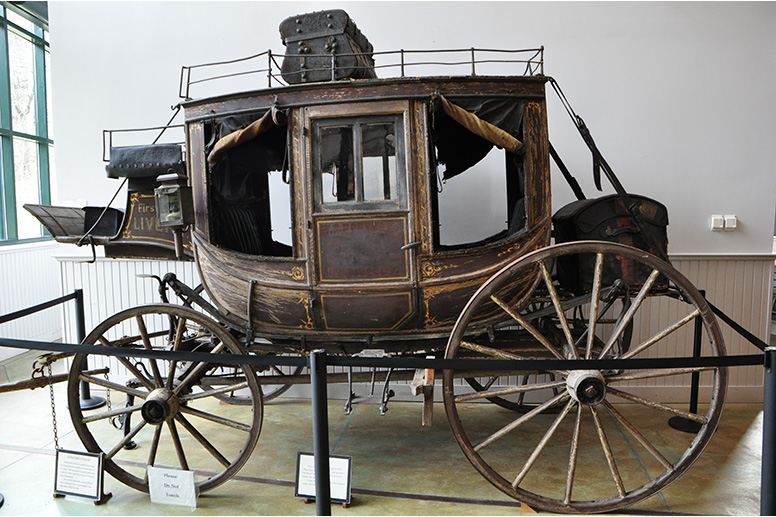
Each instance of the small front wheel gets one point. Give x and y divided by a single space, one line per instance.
161 414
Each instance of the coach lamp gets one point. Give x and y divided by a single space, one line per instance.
174 207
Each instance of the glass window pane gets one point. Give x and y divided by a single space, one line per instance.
337 171
21 56
19 20
25 163
378 155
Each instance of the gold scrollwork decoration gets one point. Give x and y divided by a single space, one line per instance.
296 273
510 250
308 324
430 321
430 268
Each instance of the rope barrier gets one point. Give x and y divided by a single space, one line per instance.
395 362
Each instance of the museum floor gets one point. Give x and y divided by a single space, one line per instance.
400 468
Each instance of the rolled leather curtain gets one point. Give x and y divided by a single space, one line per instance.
480 127
257 127
469 127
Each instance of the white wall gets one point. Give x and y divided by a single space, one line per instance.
28 277
680 96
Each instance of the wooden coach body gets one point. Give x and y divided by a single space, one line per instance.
365 265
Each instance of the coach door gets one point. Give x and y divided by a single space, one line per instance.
361 223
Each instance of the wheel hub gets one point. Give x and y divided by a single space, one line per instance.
586 386
160 406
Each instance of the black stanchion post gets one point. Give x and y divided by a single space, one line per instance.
678 422
768 477
87 401
320 432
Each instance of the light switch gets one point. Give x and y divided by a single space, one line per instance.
717 222
731 222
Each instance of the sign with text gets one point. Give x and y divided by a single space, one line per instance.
78 473
171 486
340 469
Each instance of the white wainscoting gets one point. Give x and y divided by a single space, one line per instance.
112 285
740 286
29 276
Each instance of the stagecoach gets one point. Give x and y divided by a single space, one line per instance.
364 265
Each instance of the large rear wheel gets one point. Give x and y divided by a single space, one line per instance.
586 416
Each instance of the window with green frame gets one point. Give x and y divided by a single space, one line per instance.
26 151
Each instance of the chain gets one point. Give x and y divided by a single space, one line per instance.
53 407
107 392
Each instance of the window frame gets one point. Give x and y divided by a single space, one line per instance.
8 214
356 122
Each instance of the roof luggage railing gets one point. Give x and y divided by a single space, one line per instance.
396 63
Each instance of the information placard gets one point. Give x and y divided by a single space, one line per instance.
79 474
340 470
171 486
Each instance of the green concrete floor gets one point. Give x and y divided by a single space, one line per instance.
399 467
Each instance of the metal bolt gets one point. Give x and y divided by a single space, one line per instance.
590 391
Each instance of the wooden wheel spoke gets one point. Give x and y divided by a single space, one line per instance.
636 434
193 374
508 391
175 346
559 310
594 299
527 326
651 374
113 386
179 330
217 391
573 451
493 352
202 440
111 413
542 444
663 333
626 319
154 446
176 440
125 440
608 452
215 418
147 345
657 405
518 422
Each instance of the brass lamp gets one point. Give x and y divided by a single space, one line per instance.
174 206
